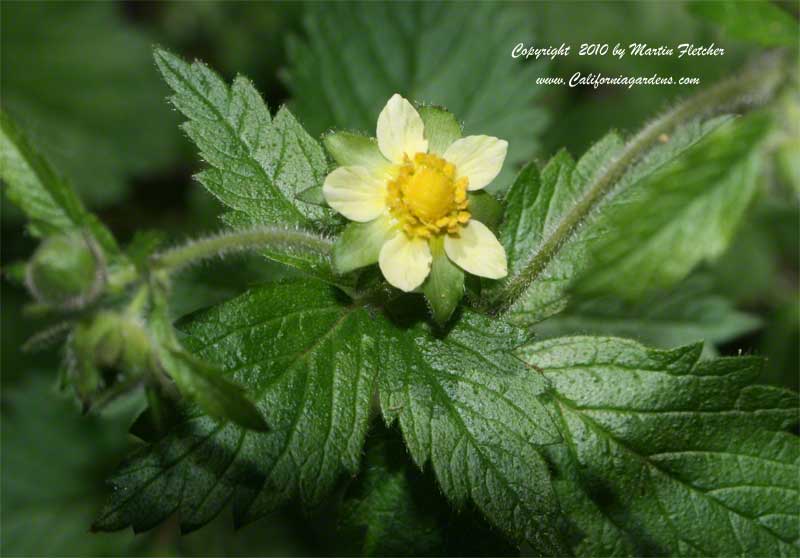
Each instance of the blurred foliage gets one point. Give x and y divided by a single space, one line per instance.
79 78
687 312
759 22
457 55
51 461
585 114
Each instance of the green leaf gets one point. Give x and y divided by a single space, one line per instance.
91 102
472 409
689 312
485 208
207 385
390 510
51 461
258 165
394 509
441 128
551 215
356 56
313 196
47 200
760 22
686 213
672 455
309 363
349 149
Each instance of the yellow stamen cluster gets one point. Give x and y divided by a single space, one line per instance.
426 198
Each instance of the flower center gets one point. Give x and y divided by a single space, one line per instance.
426 198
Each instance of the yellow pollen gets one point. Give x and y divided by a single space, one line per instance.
426 198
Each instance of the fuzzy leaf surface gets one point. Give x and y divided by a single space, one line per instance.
476 415
553 216
443 54
259 166
685 213
48 201
666 454
308 363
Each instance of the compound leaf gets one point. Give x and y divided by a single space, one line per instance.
310 362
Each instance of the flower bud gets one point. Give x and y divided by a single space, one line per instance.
65 271
107 348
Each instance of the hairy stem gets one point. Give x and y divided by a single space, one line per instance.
753 85
238 241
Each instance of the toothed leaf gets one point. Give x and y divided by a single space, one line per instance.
667 454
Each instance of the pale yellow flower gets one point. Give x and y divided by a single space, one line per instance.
414 197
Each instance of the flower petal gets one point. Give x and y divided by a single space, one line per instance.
405 262
356 193
400 130
477 251
479 158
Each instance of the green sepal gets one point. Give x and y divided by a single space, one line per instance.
485 208
444 287
441 128
360 244
313 196
206 384
81 374
349 149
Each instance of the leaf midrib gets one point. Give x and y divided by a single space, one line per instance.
451 409
269 182
564 403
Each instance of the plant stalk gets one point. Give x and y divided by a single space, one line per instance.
751 86
226 243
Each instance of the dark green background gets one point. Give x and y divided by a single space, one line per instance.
79 79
